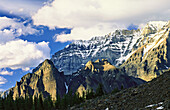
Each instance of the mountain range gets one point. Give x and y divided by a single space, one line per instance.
124 58
140 53
47 80
113 47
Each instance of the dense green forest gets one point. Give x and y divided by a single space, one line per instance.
40 103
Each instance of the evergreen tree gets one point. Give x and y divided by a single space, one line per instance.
57 102
40 103
77 99
21 103
16 104
99 90
122 87
90 94
84 96
48 103
34 107
70 98
1 104
64 102
9 102
115 90
28 102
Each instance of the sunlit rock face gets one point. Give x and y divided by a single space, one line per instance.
101 72
45 80
152 57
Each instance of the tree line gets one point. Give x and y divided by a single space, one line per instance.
40 103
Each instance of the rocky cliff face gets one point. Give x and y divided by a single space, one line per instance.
45 79
112 47
152 57
102 72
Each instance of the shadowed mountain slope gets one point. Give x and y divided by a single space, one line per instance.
148 96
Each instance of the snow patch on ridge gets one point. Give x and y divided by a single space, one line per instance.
160 107
156 24
157 39
129 43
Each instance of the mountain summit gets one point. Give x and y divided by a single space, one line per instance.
140 53
98 65
112 47
101 72
151 58
45 79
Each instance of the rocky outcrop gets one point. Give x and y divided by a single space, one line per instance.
45 80
149 96
98 66
152 57
101 72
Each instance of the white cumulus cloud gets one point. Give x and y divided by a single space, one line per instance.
22 54
2 80
86 17
87 33
11 28
16 53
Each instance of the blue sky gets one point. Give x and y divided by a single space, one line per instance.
33 30
43 35
8 74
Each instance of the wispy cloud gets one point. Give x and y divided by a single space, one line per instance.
2 80
21 7
89 18
5 72
12 28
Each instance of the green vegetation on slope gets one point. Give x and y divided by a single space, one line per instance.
39 103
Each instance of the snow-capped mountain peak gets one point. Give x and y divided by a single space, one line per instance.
157 24
111 46
151 57
117 47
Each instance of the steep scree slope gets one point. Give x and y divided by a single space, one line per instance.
155 93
